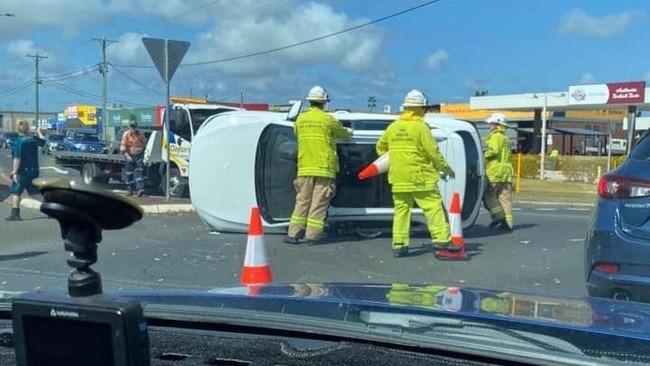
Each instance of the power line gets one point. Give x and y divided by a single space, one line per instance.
136 81
17 89
195 10
71 74
317 38
301 43
90 95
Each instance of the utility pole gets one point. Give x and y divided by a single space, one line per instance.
37 79
103 69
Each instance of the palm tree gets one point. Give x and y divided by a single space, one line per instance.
372 103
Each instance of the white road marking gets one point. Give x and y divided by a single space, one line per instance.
545 209
578 209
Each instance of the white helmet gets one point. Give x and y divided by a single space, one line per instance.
317 94
498 118
414 98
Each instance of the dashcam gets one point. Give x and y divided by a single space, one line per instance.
95 330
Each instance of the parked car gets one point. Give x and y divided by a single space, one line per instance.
248 158
53 142
617 244
7 140
81 141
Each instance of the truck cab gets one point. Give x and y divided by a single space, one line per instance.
184 121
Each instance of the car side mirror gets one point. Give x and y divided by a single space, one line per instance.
293 113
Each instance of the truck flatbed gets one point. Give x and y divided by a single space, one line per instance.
69 157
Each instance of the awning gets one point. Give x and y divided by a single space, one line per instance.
565 131
549 131
579 131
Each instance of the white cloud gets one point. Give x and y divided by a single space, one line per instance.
436 59
216 30
129 49
21 47
578 22
261 31
586 78
475 84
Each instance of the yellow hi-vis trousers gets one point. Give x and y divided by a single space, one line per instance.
497 199
491 202
313 196
434 211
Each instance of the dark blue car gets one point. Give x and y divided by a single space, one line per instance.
617 246
82 141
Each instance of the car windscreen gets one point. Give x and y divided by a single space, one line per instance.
55 137
87 137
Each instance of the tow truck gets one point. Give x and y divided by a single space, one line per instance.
184 120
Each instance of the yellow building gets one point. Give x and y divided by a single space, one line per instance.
80 116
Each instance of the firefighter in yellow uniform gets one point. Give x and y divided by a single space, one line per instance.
318 164
497 197
413 173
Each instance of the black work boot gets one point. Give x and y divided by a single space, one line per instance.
296 240
14 215
400 250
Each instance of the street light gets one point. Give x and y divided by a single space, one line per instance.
544 109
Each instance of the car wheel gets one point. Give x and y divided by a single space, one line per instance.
88 173
176 185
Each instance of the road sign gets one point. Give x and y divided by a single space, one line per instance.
166 55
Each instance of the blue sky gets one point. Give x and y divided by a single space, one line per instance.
447 49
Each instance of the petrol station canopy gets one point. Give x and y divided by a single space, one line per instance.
581 97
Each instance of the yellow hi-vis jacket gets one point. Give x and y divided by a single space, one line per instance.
498 157
316 132
415 161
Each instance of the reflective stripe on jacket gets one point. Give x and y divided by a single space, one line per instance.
316 132
415 161
498 157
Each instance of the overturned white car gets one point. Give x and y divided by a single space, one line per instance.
248 158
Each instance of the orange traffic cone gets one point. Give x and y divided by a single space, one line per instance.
256 270
379 166
456 226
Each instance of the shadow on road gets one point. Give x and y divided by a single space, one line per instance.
11 257
483 231
4 191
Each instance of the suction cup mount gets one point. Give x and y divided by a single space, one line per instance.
83 211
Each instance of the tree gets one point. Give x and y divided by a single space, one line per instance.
372 103
480 93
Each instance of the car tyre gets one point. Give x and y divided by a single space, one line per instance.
177 187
